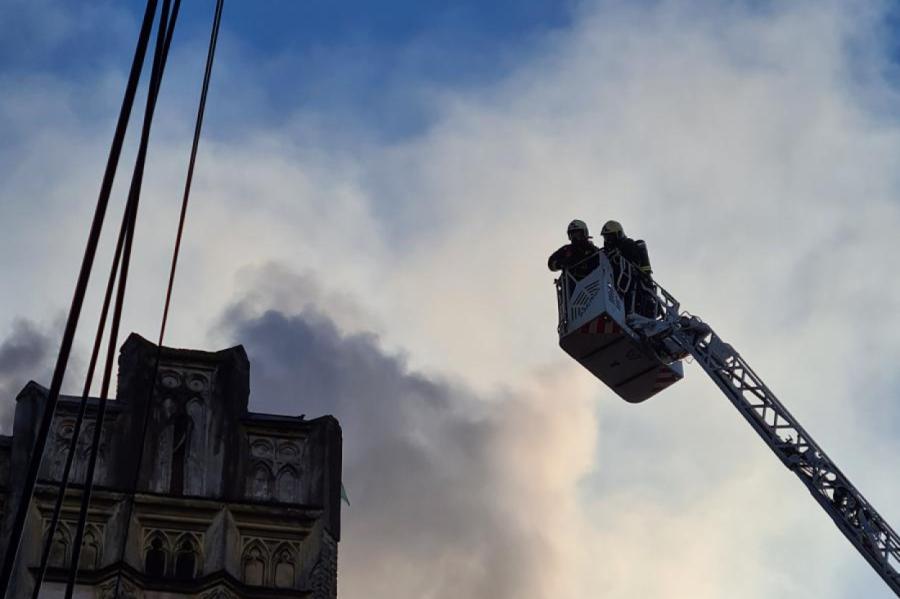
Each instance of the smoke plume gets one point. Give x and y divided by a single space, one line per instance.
24 355
453 494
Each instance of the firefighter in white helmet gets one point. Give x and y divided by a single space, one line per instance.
575 255
614 238
639 294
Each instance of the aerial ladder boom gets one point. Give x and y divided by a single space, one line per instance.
670 335
851 512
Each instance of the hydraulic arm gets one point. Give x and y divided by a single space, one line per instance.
675 334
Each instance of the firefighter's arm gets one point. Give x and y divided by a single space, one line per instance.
556 259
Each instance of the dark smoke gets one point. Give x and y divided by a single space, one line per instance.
430 516
24 355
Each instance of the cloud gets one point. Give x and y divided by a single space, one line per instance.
453 494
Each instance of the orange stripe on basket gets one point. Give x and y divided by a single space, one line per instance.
601 325
664 378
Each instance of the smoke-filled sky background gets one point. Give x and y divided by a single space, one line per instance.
377 190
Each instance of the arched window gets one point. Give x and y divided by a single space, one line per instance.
255 565
259 485
194 456
83 452
286 486
162 469
59 550
61 439
155 558
186 559
182 429
284 568
90 550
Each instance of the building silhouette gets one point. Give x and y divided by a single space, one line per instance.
228 503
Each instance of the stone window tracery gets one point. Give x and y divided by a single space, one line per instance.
156 554
260 484
286 484
173 554
284 567
59 549
90 549
61 437
195 444
276 467
272 563
162 474
187 558
288 451
254 564
83 452
181 415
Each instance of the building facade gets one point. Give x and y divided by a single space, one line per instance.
228 503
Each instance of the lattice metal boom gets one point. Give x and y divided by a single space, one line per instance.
680 334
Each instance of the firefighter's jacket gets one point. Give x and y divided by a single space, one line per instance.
575 255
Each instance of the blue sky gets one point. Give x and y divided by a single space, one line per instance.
283 26
381 183
352 61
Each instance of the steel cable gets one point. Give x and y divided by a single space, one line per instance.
101 326
123 248
163 42
37 452
214 35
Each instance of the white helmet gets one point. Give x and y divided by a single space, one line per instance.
612 228
576 226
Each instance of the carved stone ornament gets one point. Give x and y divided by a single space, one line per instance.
126 590
219 593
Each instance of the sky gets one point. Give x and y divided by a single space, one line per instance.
377 190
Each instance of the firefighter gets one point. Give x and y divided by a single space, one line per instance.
614 238
575 255
635 251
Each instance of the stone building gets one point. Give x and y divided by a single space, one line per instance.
228 504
